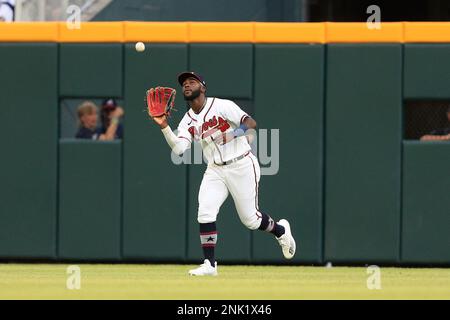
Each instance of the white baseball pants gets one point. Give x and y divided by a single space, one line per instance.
240 179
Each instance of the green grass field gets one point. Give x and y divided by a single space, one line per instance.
42 281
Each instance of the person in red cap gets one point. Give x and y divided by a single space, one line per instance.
220 126
111 113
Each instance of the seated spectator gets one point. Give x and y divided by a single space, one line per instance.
7 10
109 106
440 134
88 115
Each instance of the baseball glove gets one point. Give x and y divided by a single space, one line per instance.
160 101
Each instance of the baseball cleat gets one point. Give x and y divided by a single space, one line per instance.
286 241
205 269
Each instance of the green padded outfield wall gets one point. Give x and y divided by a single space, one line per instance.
342 183
363 152
228 69
91 70
426 206
90 190
154 188
289 90
426 202
427 71
28 111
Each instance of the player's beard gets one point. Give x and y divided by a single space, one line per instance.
194 95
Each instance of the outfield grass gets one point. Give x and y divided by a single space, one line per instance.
42 281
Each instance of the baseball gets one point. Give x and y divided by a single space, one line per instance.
140 46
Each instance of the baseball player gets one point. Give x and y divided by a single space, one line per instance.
220 126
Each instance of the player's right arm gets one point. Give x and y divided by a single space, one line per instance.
179 144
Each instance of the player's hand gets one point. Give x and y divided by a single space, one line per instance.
161 121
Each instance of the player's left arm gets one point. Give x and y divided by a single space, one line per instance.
250 123
242 121
247 123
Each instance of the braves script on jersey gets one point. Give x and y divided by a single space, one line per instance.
217 114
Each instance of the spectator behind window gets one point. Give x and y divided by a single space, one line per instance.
109 106
439 134
87 117
7 10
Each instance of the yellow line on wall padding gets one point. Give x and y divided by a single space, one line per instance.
156 32
221 32
343 32
225 32
427 32
29 32
267 32
92 32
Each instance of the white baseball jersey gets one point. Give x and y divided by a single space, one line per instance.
217 114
